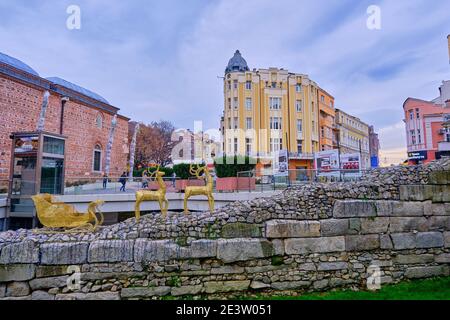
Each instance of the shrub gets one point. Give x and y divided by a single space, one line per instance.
229 166
182 170
168 171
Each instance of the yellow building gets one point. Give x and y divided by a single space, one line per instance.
352 136
268 110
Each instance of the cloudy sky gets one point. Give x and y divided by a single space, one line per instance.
161 59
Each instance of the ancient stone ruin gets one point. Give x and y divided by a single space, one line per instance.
309 238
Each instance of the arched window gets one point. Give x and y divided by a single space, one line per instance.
97 162
99 121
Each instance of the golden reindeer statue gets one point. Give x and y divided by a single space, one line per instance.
54 215
200 190
158 195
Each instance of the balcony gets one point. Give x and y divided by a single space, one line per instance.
444 146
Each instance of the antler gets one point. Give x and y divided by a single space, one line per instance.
193 171
152 175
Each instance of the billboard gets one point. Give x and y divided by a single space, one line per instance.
281 163
351 161
417 155
327 160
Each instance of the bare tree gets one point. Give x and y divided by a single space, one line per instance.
154 144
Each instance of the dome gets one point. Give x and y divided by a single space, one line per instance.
4 58
77 88
237 63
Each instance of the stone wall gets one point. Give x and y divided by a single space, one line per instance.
309 238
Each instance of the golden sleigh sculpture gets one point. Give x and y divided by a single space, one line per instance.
200 190
55 215
158 195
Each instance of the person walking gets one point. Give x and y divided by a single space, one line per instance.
144 180
105 180
174 178
123 181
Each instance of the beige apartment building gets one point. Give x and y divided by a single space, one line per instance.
267 110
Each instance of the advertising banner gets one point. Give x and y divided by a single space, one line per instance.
281 163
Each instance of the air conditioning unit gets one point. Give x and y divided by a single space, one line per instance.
441 131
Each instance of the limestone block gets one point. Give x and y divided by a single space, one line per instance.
186 290
447 239
20 252
332 266
111 251
386 242
441 223
429 240
416 192
443 258
362 242
354 208
226 286
425 272
64 253
314 245
145 291
17 272
292 229
232 250
413 259
257 285
290 285
374 225
48 283
17 289
408 224
42 295
408 209
106 295
403 241
241 230
440 209
334 227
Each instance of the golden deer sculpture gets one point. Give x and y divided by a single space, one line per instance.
200 190
54 215
158 195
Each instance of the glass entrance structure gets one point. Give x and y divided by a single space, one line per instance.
37 166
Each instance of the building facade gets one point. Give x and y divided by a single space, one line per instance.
327 115
425 130
81 115
268 110
352 136
374 148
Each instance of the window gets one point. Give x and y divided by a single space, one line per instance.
248 123
298 87
248 146
298 105
229 103
419 137
235 102
248 103
97 163
275 123
235 145
313 126
299 146
229 123
235 121
410 114
248 85
275 103
235 84
413 136
322 98
276 144
331 104
229 85
299 125
417 114
322 131
274 84
99 121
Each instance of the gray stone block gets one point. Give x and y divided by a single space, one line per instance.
226 286
20 252
42 295
48 283
89 296
374 225
429 240
232 250
408 209
334 227
292 229
416 192
413 259
441 193
143 292
362 242
278 247
111 251
17 289
2 290
258 285
64 253
17 272
51 271
386 242
320 284
447 239
408 224
314 245
425 272
443 258
440 209
441 223
354 208
332 266
229 269
241 230
403 241
186 290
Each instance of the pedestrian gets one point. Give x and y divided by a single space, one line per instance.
174 178
123 181
105 180
145 180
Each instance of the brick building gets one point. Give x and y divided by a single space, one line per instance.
81 115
